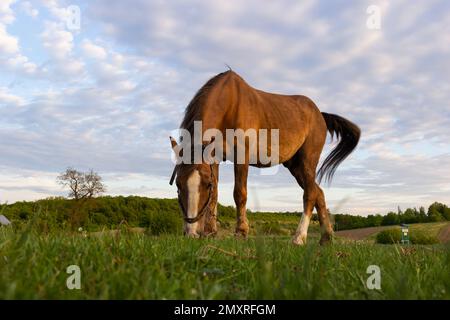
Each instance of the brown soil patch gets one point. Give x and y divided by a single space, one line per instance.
444 234
360 234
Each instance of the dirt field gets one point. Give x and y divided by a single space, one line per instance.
440 229
444 234
361 234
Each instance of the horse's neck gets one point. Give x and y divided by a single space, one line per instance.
217 106
212 117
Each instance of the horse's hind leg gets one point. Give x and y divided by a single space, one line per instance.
303 167
324 218
295 166
313 196
309 199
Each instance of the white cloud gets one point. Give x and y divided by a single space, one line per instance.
10 53
28 8
8 44
56 10
57 40
9 99
59 44
6 13
93 51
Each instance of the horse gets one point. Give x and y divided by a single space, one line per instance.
225 102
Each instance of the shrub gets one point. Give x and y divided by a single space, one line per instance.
164 223
421 238
395 236
389 236
226 211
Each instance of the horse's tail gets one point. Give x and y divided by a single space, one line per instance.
348 135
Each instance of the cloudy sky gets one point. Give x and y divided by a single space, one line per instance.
107 92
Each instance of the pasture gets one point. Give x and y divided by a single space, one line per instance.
128 265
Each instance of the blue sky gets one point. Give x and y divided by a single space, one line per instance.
107 95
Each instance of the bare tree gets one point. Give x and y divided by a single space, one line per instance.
82 185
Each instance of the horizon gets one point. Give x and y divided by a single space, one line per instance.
225 205
105 90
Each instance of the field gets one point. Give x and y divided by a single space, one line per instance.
128 265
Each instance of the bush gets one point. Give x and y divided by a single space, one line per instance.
226 211
391 236
164 223
420 238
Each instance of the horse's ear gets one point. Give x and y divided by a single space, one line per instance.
173 142
176 148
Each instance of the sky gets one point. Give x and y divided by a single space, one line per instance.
104 90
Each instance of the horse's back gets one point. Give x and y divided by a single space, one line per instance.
295 116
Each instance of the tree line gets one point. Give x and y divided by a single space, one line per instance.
86 208
110 212
436 212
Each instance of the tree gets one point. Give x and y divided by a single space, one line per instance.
82 185
390 219
409 216
435 211
422 215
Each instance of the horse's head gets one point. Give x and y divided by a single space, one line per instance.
197 196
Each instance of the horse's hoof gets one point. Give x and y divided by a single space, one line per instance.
326 239
192 235
298 241
241 235
325 242
242 231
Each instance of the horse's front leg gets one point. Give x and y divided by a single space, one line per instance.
210 228
240 198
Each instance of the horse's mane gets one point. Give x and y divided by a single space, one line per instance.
194 108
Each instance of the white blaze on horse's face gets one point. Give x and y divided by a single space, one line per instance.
193 188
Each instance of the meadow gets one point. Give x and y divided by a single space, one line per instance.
128 265
133 248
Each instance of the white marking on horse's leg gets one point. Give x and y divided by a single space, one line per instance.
193 186
302 230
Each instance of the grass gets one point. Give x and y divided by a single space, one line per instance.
263 223
430 228
138 266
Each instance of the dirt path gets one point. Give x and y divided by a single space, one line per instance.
361 234
444 234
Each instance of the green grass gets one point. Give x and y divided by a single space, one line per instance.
139 266
432 228
429 229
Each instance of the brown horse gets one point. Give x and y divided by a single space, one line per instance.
227 102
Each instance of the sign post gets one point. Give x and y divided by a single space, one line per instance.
405 234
